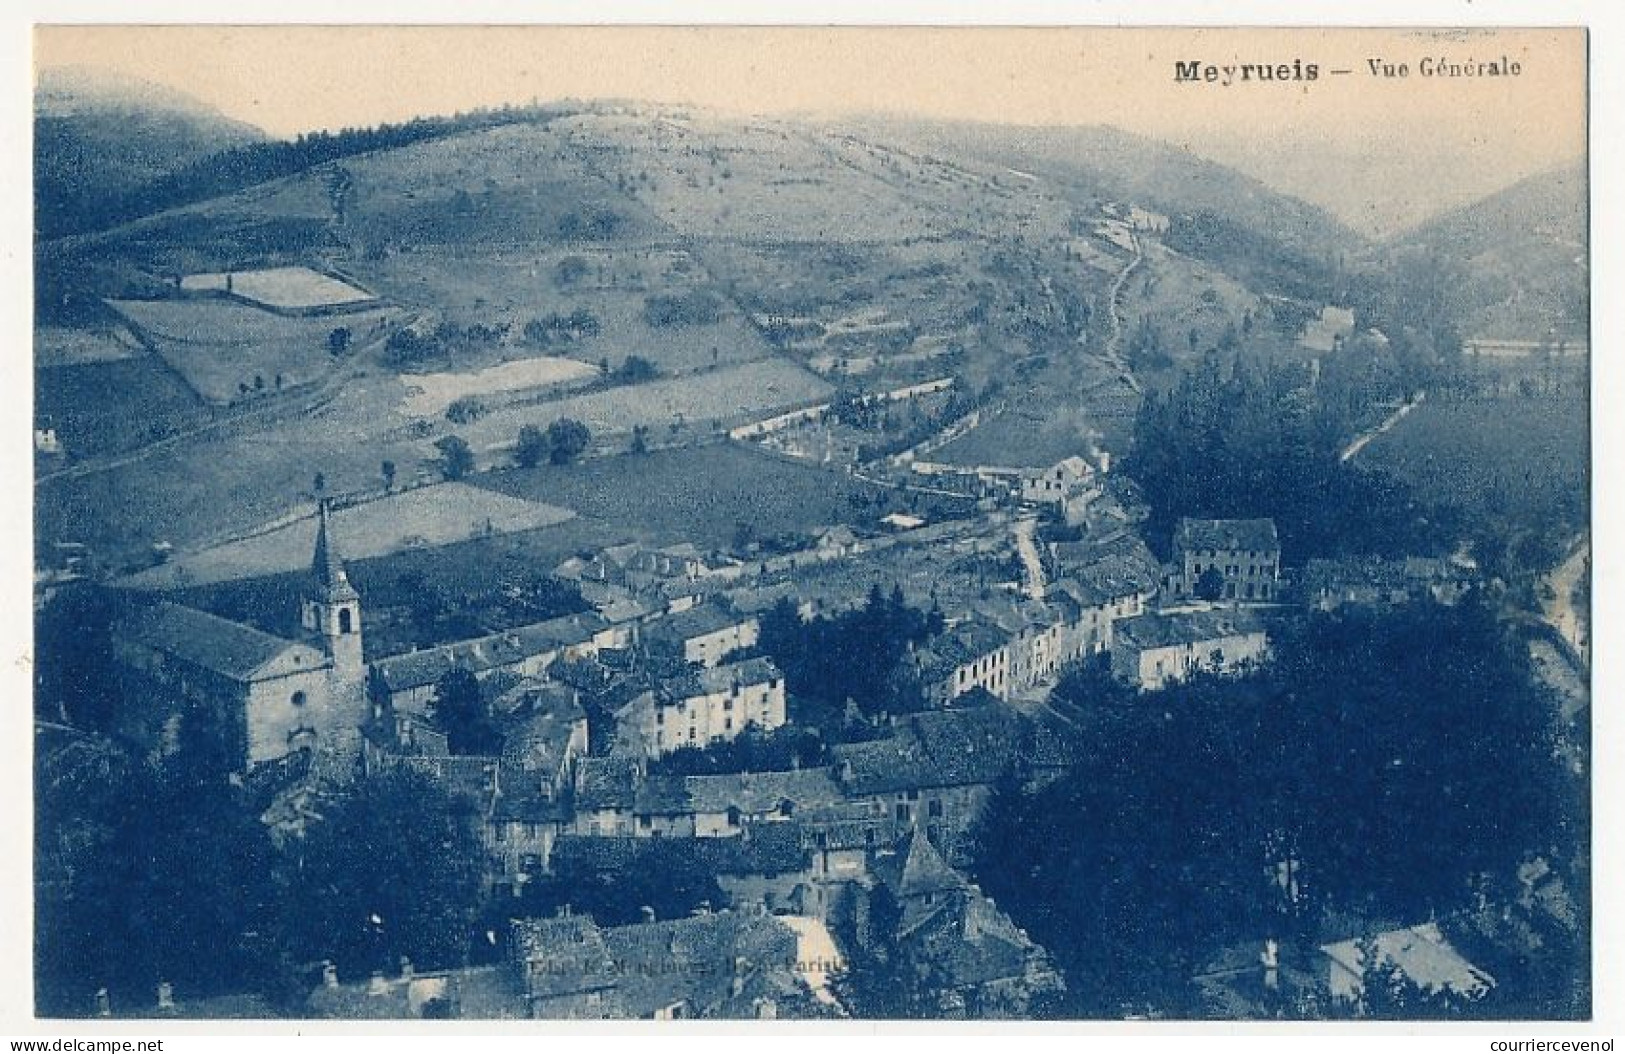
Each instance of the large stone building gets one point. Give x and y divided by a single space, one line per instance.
1241 559
275 696
702 707
1153 651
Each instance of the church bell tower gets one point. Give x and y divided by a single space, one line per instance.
332 607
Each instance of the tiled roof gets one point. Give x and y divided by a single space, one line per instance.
607 782
762 792
1252 535
418 669
700 621
716 680
1187 627
570 954
218 645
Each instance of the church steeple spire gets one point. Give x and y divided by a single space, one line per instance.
328 566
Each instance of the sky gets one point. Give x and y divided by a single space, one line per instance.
1379 153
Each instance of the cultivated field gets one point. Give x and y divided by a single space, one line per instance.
62 346
1025 436
430 393
611 283
220 346
421 518
699 494
284 288
727 396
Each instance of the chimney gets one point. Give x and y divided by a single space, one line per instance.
406 968
166 996
377 985
330 975
648 913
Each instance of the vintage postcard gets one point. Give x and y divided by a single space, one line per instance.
827 524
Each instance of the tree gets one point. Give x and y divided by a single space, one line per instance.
388 469
532 446
456 459
391 870
460 710
1210 584
566 439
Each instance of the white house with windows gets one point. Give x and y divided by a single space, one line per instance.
703 707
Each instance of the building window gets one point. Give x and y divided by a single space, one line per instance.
934 809
345 625
300 699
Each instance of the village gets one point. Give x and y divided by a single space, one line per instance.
581 715
625 560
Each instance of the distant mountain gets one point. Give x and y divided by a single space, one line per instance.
1274 242
1123 165
1518 258
98 136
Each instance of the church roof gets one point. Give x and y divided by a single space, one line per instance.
218 645
328 566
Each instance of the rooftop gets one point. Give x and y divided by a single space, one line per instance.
230 649
1247 535
1186 627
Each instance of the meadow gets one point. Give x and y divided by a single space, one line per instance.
425 517
222 347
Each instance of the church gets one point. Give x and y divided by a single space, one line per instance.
276 695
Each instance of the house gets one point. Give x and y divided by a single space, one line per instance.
972 960
1152 651
974 654
712 965
1329 330
409 680
766 865
724 804
705 634
937 769
606 791
546 734
701 707
275 695
564 967
1421 954
1068 487
472 993
1241 559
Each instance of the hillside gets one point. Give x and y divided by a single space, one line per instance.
1518 258
98 136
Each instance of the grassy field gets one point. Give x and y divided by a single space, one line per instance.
415 519
281 287
1025 436
431 393
512 287
219 345
104 407
698 494
727 395
65 346
1515 457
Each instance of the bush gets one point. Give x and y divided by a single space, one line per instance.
566 439
456 459
697 307
466 409
532 447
